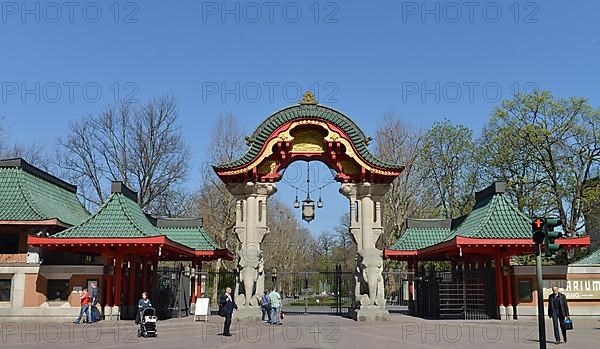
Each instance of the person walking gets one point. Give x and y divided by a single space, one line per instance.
275 301
558 310
228 304
94 315
84 299
265 306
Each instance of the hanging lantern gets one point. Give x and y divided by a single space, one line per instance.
320 201
296 202
308 210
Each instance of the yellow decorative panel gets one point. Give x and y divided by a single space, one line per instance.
308 140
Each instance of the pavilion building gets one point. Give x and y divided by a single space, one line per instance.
481 282
51 247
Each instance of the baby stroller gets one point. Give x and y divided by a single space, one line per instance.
148 323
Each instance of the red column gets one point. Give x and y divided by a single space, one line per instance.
132 290
145 268
118 277
193 282
199 281
499 286
508 283
411 268
108 294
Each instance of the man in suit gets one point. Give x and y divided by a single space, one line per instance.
94 302
558 310
227 302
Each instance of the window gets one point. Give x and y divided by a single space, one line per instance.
9 243
525 290
58 290
5 290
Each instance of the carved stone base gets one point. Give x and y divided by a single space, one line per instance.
371 314
247 314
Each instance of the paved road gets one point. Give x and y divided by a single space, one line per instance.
318 331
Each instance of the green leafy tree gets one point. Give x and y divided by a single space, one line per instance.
556 149
450 167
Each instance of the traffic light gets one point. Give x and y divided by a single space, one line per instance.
551 235
537 227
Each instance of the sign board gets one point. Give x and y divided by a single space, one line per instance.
202 308
574 289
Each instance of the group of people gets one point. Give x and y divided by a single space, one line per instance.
270 304
89 301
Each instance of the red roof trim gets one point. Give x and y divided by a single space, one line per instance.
460 241
222 253
396 253
161 241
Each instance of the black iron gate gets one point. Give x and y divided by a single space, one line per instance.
468 295
173 293
397 290
325 292
313 292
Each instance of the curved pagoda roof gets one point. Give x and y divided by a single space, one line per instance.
119 217
121 222
30 195
188 232
421 233
493 222
308 108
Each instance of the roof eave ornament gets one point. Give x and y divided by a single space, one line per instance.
308 99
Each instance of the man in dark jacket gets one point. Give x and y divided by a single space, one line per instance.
226 301
94 302
558 310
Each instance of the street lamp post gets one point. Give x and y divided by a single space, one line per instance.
274 276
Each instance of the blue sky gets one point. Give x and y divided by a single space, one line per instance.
423 61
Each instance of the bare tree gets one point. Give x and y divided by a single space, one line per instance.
33 153
213 201
397 143
142 146
288 246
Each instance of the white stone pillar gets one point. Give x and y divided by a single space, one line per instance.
251 229
18 290
366 228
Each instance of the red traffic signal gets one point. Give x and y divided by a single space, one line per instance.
538 223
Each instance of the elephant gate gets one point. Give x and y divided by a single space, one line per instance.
310 132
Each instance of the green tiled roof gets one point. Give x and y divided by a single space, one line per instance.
419 237
119 217
264 130
593 256
122 217
494 218
29 194
193 237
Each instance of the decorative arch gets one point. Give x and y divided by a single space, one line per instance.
308 131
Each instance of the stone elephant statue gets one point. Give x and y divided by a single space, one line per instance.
250 267
369 275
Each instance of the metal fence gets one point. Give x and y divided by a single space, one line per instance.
468 295
312 292
171 299
397 290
